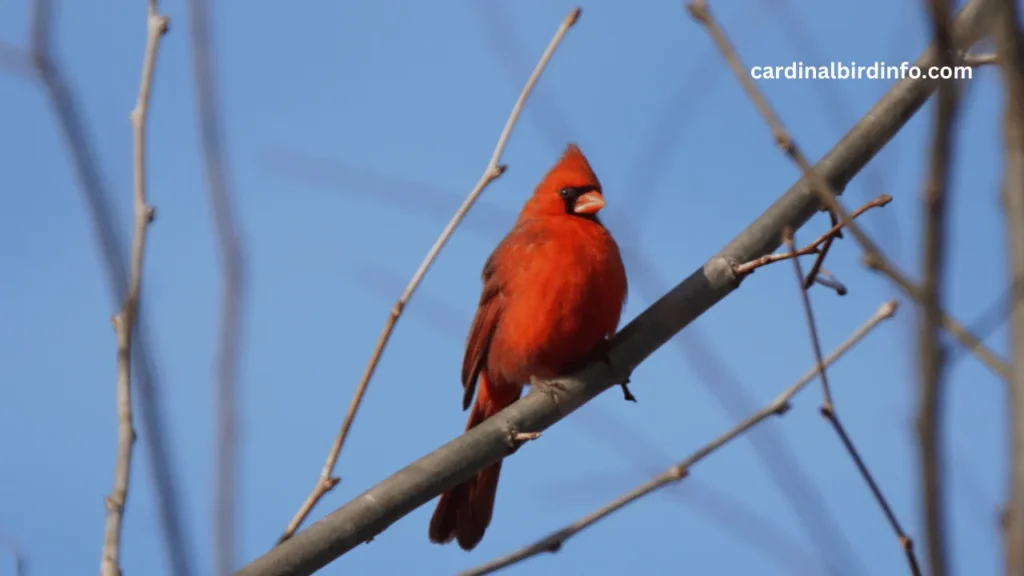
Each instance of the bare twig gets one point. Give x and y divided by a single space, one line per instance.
816 247
40 63
380 506
976 60
828 411
1010 47
825 278
819 260
789 239
124 321
931 351
494 170
826 193
232 289
779 406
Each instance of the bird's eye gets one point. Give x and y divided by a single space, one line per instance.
564 192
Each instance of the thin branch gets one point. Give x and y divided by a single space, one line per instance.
373 511
124 321
40 62
494 170
931 351
825 192
232 289
1010 48
779 406
789 240
828 411
819 260
815 247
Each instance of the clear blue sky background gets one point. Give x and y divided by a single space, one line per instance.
353 131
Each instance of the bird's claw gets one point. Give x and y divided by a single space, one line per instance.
552 388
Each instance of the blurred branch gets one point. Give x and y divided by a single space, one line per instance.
17 555
716 505
1010 47
828 411
778 406
40 63
124 321
824 191
373 511
494 170
233 289
931 352
815 247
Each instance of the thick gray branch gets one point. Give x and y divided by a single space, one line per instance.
373 511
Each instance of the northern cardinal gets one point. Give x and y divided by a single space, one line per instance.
553 291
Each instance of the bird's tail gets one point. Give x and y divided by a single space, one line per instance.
464 512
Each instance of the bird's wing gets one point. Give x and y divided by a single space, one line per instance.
484 323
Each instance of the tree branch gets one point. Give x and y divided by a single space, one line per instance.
124 321
828 411
232 289
1010 50
494 170
777 407
931 352
39 62
372 512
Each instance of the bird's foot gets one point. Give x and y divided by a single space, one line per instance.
552 388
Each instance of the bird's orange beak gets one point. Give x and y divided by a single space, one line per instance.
588 203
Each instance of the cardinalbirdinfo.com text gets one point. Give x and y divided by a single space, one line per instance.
854 71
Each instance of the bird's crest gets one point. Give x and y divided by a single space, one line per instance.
575 165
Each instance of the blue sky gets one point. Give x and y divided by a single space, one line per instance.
353 131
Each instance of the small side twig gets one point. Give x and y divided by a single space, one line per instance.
825 192
779 406
828 411
494 170
124 321
816 247
825 278
977 60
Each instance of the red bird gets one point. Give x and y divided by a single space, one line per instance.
553 291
